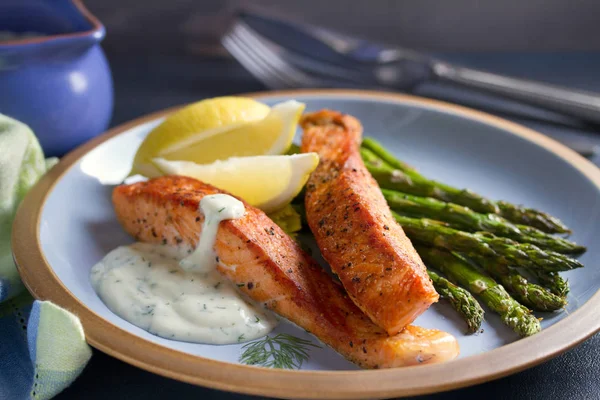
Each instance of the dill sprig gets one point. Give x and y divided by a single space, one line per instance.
280 351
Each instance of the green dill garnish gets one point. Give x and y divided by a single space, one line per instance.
257 319
149 310
241 337
281 351
173 271
241 284
217 285
222 209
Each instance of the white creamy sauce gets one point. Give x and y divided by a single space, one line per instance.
178 296
216 208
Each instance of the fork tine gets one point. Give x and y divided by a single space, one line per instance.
258 66
265 60
304 62
261 72
272 57
288 74
270 81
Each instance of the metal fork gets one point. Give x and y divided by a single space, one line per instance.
403 69
264 63
278 68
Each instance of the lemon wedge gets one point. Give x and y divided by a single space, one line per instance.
219 128
266 182
193 123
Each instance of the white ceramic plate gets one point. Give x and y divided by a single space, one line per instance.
67 224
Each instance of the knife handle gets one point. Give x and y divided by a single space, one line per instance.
579 104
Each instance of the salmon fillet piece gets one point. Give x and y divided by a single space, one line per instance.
271 268
355 230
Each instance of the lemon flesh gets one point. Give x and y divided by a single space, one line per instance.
217 129
266 182
193 123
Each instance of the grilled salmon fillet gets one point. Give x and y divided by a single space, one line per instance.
355 230
271 268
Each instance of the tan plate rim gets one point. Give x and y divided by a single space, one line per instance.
40 279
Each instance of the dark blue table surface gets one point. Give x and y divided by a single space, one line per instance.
147 80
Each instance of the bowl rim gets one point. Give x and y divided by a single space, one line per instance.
43 283
96 31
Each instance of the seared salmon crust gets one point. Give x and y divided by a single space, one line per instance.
355 230
271 268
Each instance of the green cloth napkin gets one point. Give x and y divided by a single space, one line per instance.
21 165
42 346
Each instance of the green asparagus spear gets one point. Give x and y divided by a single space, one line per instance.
385 156
531 217
513 314
299 207
546 240
412 182
463 218
294 149
391 173
529 294
460 299
524 255
553 281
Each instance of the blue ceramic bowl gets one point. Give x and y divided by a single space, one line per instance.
58 83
